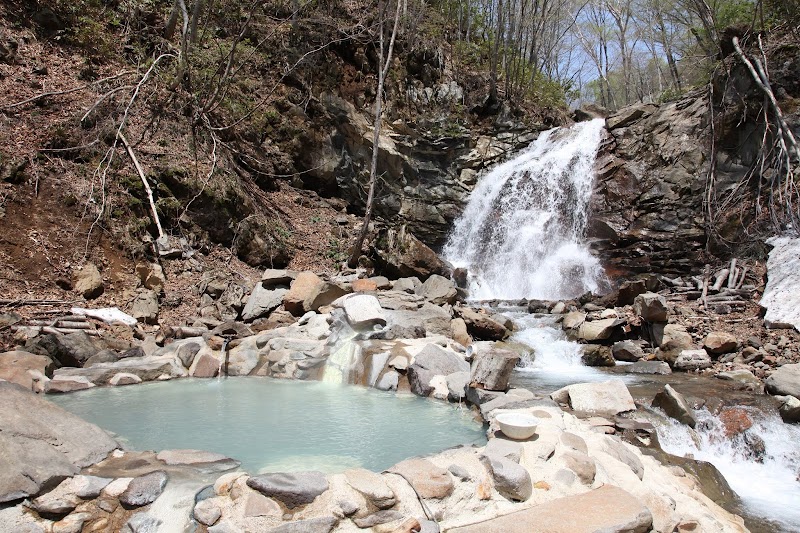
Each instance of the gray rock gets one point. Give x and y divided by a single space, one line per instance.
675 405
124 378
605 398
144 307
740 376
313 525
692 360
509 449
406 284
457 386
581 464
781 298
375 519
627 351
481 325
208 461
141 523
61 384
651 307
784 381
272 277
438 290
511 480
491 370
262 301
103 356
372 486
41 443
151 275
363 311
88 282
597 355
400 254
186 352
432 361
293 489
73 349
649 367
146 368
145 489
790 410
388 381
597 330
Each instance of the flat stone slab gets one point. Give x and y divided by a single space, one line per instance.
363 310
605 398
608 509
291 488
197 458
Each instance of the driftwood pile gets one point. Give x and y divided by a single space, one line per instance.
62 325
722 292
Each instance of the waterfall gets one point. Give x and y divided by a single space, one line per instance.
521 234
768 486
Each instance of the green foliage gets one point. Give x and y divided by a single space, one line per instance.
734 12
336 250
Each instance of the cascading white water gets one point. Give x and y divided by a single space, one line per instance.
521 234
770 488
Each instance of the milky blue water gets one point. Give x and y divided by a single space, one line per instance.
274 425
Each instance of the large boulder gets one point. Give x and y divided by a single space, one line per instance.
262 301
511 480
433 361
144 489
606 398
784 381
146 368
25 369
363 311
309 292
73 349
438 290
428 480
597 330
481 325
627 350
651 307
372 486
399 254
491 370
597 355
675 405
292 489
720 342
87 281
41 443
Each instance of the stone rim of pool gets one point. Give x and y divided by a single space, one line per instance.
417 426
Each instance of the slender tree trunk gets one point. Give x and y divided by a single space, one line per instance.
384 64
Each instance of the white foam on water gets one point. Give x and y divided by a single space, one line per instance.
769 489
521 234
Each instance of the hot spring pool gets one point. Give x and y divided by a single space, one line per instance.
276 425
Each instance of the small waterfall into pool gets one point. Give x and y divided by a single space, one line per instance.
769 489
521 234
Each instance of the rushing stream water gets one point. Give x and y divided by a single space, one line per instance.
521 236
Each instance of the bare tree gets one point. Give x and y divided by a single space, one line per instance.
384 64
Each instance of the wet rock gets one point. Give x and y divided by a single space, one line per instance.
145 489
124 378
363 311
785 380
457 383
740 376
689 360
604 398
428 480
372 486
649 367
628 351
61 384
262 301
492 369
24 368
675 405
597 355
573 320
735 421
651 307
144 307
88 282
197 458
511 480
293 489
146 368
790 410
438 290
400 254
720 342
482 326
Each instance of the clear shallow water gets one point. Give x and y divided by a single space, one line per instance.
274 425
